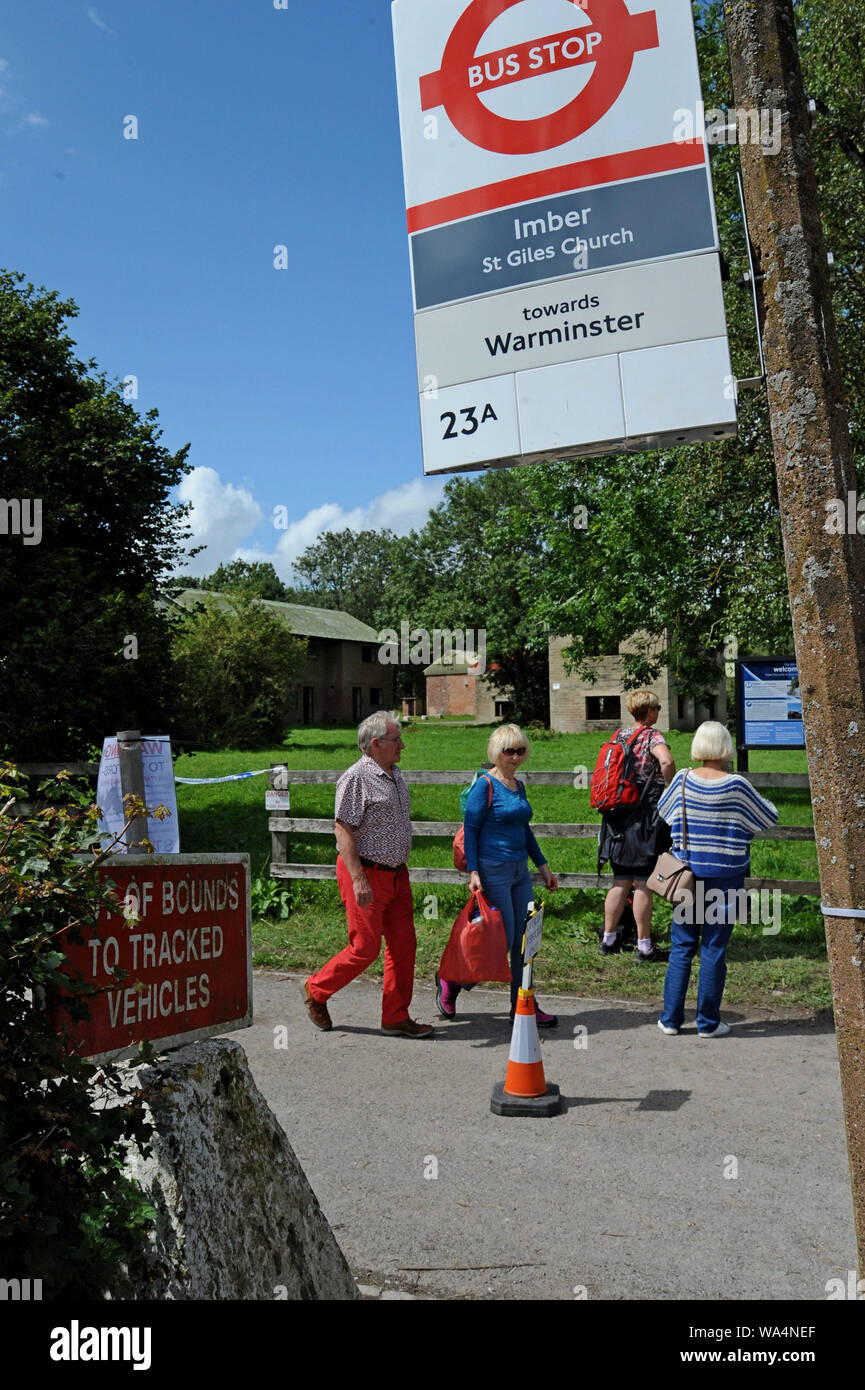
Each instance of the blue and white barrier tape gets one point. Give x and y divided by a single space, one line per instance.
232 777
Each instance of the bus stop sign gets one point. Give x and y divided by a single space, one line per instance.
610 43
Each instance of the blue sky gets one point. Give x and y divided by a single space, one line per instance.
256 127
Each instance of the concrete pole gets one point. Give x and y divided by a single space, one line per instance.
132 783
814 468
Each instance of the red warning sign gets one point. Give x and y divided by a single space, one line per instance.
608 42
182 949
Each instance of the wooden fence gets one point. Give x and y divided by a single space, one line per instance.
282 827
36 772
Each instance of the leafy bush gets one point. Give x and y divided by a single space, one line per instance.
235 662
69 1214
270 899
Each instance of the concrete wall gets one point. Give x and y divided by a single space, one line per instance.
569 696
333 669
236 1217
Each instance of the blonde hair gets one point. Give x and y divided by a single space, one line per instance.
506 736
712 740
639 703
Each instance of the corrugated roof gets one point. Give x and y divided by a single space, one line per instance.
300 620
322 622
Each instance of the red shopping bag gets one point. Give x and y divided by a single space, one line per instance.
477 950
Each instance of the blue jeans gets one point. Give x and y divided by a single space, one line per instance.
508 887
711 938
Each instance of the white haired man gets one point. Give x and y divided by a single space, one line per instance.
373 835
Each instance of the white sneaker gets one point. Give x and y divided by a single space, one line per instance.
670 1032
718 1032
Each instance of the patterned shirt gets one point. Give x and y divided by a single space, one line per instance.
376 807
723 814
645 763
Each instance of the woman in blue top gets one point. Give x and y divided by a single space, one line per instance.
498 840
723 814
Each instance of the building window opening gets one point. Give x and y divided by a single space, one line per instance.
603 707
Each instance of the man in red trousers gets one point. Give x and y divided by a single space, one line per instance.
373 836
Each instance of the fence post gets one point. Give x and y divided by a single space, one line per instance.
280 845
132 782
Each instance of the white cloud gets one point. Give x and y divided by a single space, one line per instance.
222 517
93 16
11 102
405 507
400 509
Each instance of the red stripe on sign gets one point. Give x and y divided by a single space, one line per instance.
658 159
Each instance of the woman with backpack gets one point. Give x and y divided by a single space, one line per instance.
633 837
498 843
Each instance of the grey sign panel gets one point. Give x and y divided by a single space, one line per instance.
616 311
598 228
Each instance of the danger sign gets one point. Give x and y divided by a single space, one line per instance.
607 40
174 962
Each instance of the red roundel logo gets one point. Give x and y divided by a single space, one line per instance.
608 41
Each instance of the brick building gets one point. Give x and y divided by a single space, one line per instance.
455 687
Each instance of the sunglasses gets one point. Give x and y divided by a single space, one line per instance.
513 752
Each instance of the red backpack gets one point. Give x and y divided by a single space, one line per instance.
614 784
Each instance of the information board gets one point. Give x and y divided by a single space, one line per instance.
563 242
768 703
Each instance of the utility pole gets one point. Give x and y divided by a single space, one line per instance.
814 467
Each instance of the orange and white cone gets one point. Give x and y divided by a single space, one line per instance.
525 1074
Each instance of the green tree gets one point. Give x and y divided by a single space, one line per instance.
83 649
234 664
349 570
471 568
258 579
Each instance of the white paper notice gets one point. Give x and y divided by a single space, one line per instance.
159 790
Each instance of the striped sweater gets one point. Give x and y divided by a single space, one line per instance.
723 818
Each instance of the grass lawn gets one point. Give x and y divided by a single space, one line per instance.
788 969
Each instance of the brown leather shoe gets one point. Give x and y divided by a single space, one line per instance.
317 1012
408 1029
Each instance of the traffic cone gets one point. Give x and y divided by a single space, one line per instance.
525 1090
